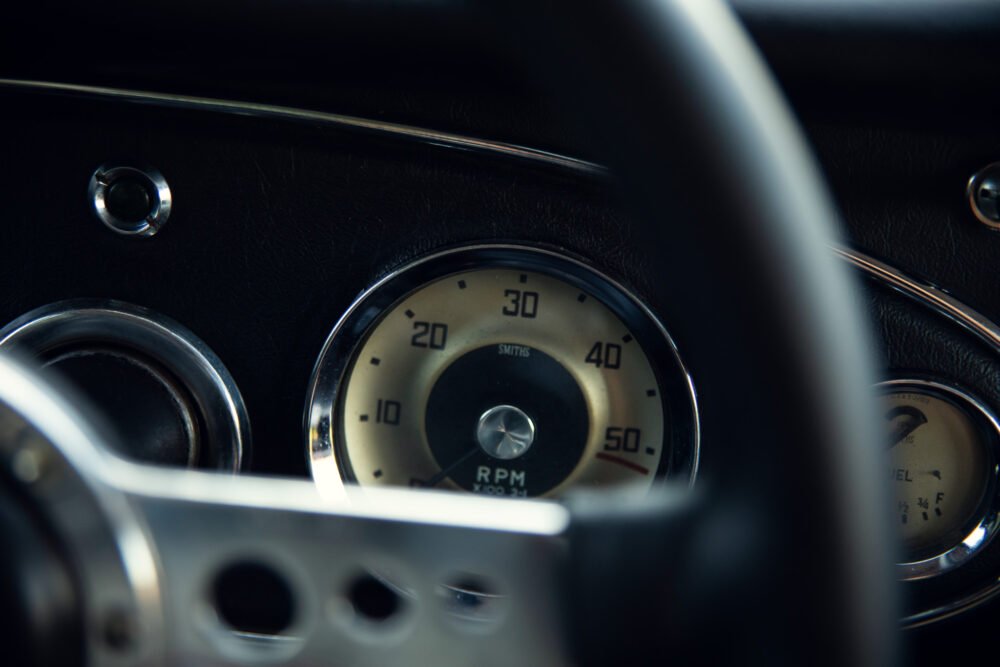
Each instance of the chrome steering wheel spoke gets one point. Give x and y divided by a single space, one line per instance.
380 577
200 568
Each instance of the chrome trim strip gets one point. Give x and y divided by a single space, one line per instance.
933 297
954 608
239 108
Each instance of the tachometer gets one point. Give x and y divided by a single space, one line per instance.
504 371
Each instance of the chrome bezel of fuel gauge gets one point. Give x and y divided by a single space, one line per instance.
329 462
985 521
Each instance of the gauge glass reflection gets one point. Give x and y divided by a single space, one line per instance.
942 466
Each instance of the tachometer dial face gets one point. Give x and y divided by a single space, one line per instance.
942 451
501 371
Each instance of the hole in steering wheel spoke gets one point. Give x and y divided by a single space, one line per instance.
472 602
253 599
374 599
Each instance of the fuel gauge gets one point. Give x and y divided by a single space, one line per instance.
942 446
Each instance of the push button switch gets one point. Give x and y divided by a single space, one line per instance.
129 200
983 194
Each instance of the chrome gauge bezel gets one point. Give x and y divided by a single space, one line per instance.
985 523
330 468
169 344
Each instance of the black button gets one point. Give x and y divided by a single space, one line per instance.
129 200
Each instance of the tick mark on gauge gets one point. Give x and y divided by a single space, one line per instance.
650 392
461 284
378 473
627 338
937 510
364 418
925 515
376 361
524 277
409 313
902 518
623 462
582 297
650 451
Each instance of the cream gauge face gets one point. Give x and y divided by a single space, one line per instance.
942 468
520 374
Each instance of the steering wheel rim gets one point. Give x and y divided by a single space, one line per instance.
692 125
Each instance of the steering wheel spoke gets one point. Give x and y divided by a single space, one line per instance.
255 567
201 568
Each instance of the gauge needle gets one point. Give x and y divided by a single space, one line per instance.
445 472
903 420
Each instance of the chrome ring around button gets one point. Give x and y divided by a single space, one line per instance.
158 192
983 195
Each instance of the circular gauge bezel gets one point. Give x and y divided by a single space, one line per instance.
984 523
329 465
106 323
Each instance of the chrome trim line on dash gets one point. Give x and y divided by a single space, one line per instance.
941 302
238 108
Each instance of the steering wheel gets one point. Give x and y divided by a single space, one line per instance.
778 555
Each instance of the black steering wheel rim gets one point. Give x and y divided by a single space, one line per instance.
786 559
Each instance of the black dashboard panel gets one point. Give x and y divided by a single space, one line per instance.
901 190
278 226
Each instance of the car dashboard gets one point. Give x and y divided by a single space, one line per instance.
252 265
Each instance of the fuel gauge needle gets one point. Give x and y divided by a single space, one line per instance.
903 420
